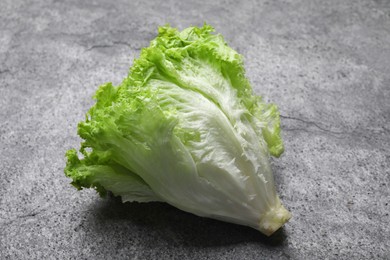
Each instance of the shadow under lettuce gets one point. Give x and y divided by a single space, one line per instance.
158 225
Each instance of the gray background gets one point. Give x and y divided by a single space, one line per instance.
325 63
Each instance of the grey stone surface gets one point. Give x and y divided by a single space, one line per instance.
325 63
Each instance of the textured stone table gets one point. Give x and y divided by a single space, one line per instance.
325 63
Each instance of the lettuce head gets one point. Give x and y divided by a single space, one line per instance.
184 127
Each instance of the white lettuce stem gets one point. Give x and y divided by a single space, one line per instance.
273 219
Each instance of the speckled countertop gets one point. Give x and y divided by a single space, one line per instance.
325 63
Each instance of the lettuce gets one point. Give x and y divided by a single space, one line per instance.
184 127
